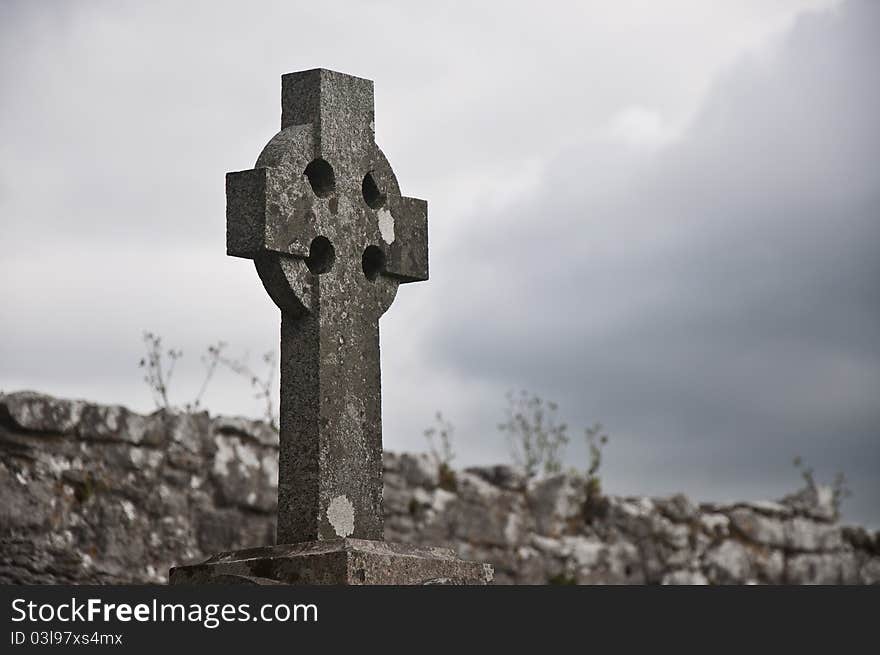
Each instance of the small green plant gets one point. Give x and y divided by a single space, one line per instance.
85 484
561 579
535 437
439 437
210 360
159 365
840 489
262 384
596 441
159 368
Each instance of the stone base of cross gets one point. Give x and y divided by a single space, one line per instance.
340 562
322 217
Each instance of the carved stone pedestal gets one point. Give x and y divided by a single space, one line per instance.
340 562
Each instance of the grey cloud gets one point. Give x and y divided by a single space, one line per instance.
724 298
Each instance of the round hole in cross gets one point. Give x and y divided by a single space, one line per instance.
373 196
373 262
322 254
321 177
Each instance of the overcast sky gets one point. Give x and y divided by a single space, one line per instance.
664 216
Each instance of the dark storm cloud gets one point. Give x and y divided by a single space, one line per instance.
719 310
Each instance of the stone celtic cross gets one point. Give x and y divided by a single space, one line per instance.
323 219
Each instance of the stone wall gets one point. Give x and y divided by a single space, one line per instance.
98 494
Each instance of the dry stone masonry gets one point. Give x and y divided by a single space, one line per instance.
98 494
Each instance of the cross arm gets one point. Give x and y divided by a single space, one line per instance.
407 253
267 212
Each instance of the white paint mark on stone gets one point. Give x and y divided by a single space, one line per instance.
386 225
340 513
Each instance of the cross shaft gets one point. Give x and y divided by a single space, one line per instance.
332 238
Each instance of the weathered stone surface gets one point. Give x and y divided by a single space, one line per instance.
758 528
813 501
861 539
332 237
823 568
76 509
769 564
556 502
35 412
729 562
245 473
103 495
685 578
248 429
419 470
803 534
715 524
342 562
677 508
507 477
869 572
116 423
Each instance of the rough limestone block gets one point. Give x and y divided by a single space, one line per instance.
36 412
758 528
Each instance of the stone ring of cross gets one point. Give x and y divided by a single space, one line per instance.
321 213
